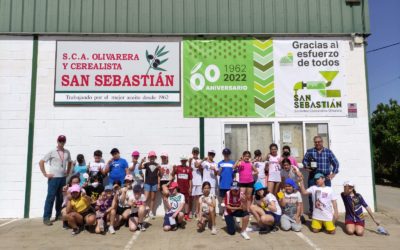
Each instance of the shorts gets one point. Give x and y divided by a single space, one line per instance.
187 196
277 217
134 215
222 192
246 185
196 190
356 223
87 212
240 213
121 210
150 188
317 224
166 220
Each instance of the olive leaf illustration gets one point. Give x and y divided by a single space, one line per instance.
154 60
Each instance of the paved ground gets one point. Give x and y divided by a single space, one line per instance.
31 234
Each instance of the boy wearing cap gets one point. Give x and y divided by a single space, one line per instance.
194 163
174 204
236 206
226 174
183 174
209 168
134 169
60 164
117 167
292 204
325 212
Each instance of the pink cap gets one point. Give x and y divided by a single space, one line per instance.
164 154
74 188
173 185
152 153
129 177
135 153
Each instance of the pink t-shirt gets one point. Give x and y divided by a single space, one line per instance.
245 172
293 161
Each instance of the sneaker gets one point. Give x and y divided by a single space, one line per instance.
245 235
47 222
213 231
111 230
302 219
75 231
275 229
151 215
186 217
264 230
252 228
65 225
222 204
141 227
101 225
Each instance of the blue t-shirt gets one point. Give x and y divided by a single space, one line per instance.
81 169
225 168
117 170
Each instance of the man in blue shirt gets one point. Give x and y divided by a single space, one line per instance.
320 160
226 173
117 167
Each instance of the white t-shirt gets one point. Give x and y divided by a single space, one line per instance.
260 165
264 202
166 169
322 198
175 201
274 169
95 167
137 202
129 194
204 207
197 178
291 200
208 173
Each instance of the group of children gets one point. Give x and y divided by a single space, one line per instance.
109 195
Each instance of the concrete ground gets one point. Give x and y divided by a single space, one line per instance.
31 234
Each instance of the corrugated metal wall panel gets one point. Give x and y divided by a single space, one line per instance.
182 16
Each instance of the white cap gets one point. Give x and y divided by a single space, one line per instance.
348 183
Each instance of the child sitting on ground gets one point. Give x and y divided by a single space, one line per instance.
174 203
207 209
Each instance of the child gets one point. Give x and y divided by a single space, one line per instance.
174 204
123 208
80 168
236 206
286 154
195 164
94 189
290 171
325 212
207 209
261 167
166 171
292 204
98 166
353 203
184 178
274 169
137 201
246 171
134 169
79 210
117 167
266 209
152 180
105 209
209 168
226 174
74 179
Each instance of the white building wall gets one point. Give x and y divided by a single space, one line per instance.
15 90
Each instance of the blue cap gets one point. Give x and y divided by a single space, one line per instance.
291 182
108 187
235 185
226 151
318 175
258 186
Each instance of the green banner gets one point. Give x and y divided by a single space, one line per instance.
228 77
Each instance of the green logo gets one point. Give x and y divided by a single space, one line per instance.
154 60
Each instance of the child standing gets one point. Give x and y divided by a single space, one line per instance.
207 209
274 169
97 166
226 174
134 169
325 212
261 167
166 171
117 167
354 203
286 154
80 168
246 180
137 201
292 205
183 174
151 181
174 204
209 168
194 163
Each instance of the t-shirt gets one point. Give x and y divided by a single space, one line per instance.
118 170
137 202
183 178
137 174
166 170
232 200
58 161
208 173
95 167
322 198
128 195
94 192
292 161
264 202
226 172
353 206
80 205
81 170
245 170
175 201
152 171
196 172
274 169
290 174
291 200
260 165
104 204
204 207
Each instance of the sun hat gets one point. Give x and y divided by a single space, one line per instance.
183 158
348 183
258 185
211 151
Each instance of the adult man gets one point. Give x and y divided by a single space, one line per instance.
60 163
319 160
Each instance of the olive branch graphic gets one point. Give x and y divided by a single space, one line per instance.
154 59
